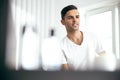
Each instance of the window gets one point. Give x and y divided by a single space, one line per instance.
101 25
104 23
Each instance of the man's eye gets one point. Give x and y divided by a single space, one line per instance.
77 16
69 17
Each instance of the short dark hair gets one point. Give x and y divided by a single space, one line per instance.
66 9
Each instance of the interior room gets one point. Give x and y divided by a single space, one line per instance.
30 24
32 30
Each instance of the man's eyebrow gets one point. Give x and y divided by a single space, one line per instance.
69 16
72 16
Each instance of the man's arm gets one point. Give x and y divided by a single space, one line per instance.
65 67
103 53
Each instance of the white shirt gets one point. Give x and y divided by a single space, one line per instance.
80 57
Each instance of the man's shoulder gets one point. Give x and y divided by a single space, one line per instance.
63 41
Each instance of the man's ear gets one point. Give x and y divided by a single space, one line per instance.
62 21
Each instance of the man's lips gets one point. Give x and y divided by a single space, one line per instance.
75 24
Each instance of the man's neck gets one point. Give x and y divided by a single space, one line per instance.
76 37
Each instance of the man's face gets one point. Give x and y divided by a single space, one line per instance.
71 20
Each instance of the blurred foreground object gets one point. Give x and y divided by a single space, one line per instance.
51 56
106 62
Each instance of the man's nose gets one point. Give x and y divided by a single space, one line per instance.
74 19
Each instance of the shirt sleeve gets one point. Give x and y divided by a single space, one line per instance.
64 58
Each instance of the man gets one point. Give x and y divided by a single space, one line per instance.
78 48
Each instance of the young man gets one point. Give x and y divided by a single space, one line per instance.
78 48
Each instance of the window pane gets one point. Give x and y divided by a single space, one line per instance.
101 25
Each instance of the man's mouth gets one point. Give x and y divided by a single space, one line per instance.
75 24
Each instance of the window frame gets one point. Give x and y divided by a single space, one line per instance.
115 9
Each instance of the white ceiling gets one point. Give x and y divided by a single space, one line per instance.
80 3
